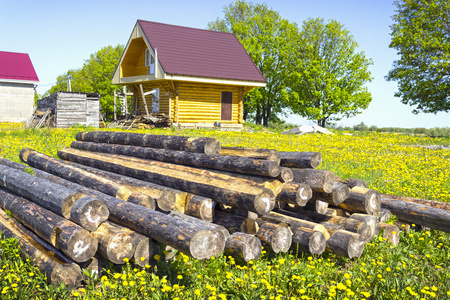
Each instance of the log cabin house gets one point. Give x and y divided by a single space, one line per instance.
17 82
196 77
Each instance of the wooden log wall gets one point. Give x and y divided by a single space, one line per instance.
231 215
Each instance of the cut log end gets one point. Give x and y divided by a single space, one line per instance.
69 202
89 213
121 246
204 244
24 154
317 243
286 175
69 274
82 246
264 202
212 146
145 252
281 240
373 204
142 200
252 249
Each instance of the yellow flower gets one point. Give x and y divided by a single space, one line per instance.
365 294
179 277
197 292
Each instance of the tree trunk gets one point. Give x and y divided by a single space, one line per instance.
243 246
300 160
66 202
420 214
201 207
308 240
248 197
181 143
54 197
199 160
286 175
295 193
430 203
275 237
345 243
255 153
57 271
318 180
339 194
362 200
63 234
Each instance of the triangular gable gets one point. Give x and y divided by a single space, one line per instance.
17 67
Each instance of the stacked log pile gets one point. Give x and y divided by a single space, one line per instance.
116 195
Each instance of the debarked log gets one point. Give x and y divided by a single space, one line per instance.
318 180
83 177
200 207
345 243
257 153
338 195
200 160
49 195
85 211
286 175
182 143
275 237
114 243
71 239
420 214
243 246
308 240
300 160
362 200
295 193
248 197
57 271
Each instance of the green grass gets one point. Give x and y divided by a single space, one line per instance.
416 268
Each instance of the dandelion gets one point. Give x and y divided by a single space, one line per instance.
179 277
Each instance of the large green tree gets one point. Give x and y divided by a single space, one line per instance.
328 74
94 77
267 37
421 35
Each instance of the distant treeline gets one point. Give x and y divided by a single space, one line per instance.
432 132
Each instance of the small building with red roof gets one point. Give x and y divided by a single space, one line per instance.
194 76
17 82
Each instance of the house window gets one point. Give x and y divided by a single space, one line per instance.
150 61
155 101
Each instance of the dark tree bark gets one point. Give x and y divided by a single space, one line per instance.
243 246
308 240
300 160
345 243
362 200
256 153
318 180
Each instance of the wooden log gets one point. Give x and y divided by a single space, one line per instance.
83 177
308 240
300 160
420 214
166 198
113 243
338 195
372 221
351 183
366 232
431 203
233 223
243 246
275 237
390 232
180 143
293 223
286 175
362 200
199 160
332 227
248 197
335 212
318 180
53 197
345 243
144 248
265 154
385 214
71 239
220 232
57 271
295 193
317 206
201 207
70 204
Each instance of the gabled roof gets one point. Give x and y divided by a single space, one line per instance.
17 67
200 53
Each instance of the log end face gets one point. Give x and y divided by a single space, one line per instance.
204 244
207 209
274 169
69 274
373 203
252 249
89 213
316 159
121 246
212 146
264 202
82 246
24 154
145 252
282 239
317 243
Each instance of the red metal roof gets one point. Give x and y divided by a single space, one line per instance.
16 66
200 53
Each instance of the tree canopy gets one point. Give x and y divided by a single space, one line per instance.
328 75
421 35
267 37
95 76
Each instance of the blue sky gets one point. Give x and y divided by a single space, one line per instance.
60 35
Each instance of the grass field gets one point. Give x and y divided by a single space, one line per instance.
418 268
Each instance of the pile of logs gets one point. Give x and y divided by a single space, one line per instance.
153 120
114 196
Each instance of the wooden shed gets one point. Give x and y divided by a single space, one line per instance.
17 82
72 108
196 77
